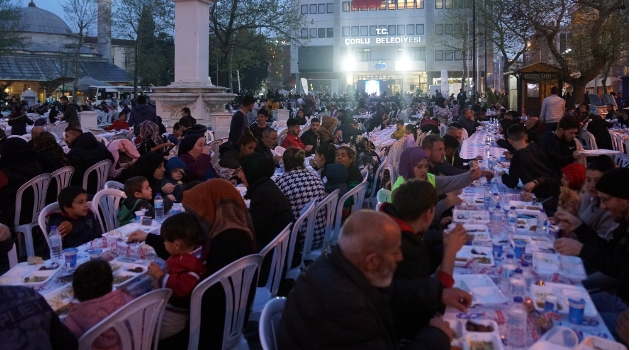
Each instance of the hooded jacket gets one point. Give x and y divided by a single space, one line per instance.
173 164
139 114
335 177
114 147
85 151
83 230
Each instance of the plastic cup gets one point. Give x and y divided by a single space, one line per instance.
71 257
139 215
176 209
146 221
576 310
497 244
551 303
519 248
95 254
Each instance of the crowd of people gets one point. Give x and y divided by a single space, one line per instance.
390 277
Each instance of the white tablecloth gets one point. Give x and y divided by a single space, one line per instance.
474 146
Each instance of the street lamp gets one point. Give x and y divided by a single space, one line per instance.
402 64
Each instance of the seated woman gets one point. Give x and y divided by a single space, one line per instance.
229 157
195 154
151 166
227 236
347 156
151 141
50 154
301 186
18 164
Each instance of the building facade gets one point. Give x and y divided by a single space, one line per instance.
400 45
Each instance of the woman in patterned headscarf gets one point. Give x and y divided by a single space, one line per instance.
150 139
50 153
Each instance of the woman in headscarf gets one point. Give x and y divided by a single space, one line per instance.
18 165
328 126
18 121
151 141
50 153
441 111
227 235
151 166
195 154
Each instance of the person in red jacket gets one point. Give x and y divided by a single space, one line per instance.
120 124
293 137
182 270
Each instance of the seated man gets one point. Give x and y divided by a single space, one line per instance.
268 142
293 135
347 130
530 161
434 146
341 300
609 257
311 138
413 209
84 151
561 142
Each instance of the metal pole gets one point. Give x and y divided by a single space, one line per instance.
485 46
475 59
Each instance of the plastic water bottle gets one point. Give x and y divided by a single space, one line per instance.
542 223
508 267
497 220
487 197
158 204
517 284
55 245
527 274
517 325
512 220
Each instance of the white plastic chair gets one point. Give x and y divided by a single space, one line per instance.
114 185
378 177
43 220
236 279
365 173
329 204
137 323
14 137
304 218
383 195
209 137
105 205
26 137
62 177
269 323
13 256
102 170
39 184
279 247
102 139
357 193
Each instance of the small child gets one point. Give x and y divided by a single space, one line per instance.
76 223
183 271
411 136
120 124
173 174
92 285
400 132
176 136
139 197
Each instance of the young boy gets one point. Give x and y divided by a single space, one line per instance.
400 132
177 134
92 287
139 197
173 174
120 124
183 271
76 223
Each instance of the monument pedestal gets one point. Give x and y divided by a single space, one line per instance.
88 119
281 114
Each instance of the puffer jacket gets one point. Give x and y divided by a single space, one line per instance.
86 151
139 114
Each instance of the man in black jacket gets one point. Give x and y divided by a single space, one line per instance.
311 137
85 151
341 300
530 161
70 113
609 257
141 112
267 143
467 121
562 141
413 209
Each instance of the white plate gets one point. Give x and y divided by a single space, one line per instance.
470 338
591 343
60 298
539 295
572 267
465 253
520 205
481 288
120 268
17 274
471 216
597 152
560 338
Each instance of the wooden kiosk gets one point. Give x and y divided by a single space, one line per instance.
534 85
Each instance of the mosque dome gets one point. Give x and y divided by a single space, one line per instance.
37 20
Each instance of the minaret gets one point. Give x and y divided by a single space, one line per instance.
104 28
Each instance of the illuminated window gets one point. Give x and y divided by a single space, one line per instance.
400 4
411 4
419 4
383 5
439 5
449 4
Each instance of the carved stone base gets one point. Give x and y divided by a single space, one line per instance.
206 103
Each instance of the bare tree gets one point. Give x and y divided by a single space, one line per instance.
457 35
83 16
10 37
587 21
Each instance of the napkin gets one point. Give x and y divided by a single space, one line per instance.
278 151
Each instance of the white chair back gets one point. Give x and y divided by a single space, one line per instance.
304 218
137 323
102 170
114 185
39 185
443 130
383 195
376 181
465 134
279 247
105 205
326 208
357 193
235 279
365 173
102 139
269 322
62 177
14 137
208 136
43 220
26 137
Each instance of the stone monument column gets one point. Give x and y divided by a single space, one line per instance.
192 86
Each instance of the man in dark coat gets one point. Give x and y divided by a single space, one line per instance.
70 113
341 300
561 141
141 112
85 151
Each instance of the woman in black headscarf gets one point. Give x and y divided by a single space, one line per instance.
151 166
50 155
195 154
18 164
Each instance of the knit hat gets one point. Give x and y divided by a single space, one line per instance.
576 174
615 183
188 143
172 164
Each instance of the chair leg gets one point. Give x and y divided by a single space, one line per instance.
13 257
28 238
